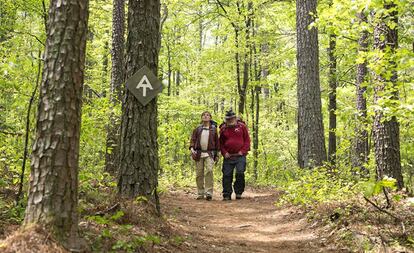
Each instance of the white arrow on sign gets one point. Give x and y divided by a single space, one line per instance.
144 84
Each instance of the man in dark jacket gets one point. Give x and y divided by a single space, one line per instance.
234 146
204 148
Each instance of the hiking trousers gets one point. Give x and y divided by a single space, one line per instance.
204 176
238 163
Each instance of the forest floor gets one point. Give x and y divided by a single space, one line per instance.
252 224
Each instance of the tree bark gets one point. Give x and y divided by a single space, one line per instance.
361 148
332 100
177 83
139 148
201 28
117 79
386 128
242 89
237 58
53 192
255 104
311 141
169 70
256 133
105 62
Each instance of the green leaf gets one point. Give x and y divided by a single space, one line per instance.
117 215
369 188
106 233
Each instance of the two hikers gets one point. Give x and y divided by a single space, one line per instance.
234 144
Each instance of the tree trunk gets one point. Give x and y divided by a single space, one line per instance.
311 141
386 129
243 88
265 70
237 59
256 134
255 102
53 192
117 79
177 83
361 148
200 27
105 62
118 48
139 148
169 70
332 100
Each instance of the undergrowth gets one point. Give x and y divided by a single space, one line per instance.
353 212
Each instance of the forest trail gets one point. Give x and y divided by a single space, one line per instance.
252 224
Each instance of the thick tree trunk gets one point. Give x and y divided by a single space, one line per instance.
386 129
117 79
332 100
53 192
361 148
311 140
139 147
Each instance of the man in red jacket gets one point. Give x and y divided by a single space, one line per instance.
234 145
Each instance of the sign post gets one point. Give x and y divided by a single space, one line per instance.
144 85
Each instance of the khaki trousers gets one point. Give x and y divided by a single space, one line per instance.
204 176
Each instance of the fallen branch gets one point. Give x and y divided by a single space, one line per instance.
383 210
109 210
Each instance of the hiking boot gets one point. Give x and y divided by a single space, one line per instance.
238 196
226 198
209 197
200 197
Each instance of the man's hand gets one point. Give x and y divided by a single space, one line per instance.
193 151
227 155
240 153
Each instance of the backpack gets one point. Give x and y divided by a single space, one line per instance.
213 123
223 126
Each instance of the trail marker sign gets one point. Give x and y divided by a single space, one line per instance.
144 85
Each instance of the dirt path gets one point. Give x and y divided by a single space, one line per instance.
252 224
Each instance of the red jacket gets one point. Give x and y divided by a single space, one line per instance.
234 139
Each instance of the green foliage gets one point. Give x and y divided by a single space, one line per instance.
308 187
373 187
198 46
135 242
10 212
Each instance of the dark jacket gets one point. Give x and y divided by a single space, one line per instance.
213 142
